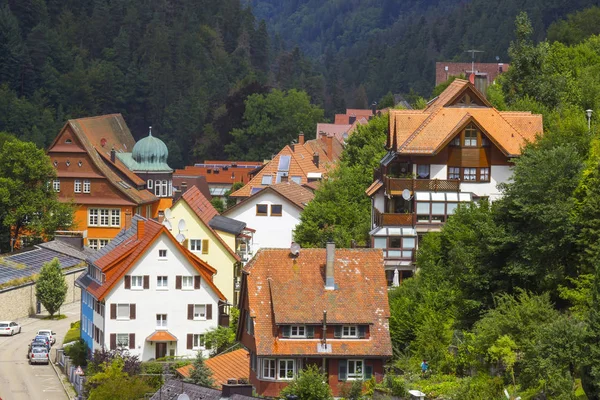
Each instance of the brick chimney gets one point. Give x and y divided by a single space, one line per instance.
141 229
329 146
316 159
301 138
330 258
127 219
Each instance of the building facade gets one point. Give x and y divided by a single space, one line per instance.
457 150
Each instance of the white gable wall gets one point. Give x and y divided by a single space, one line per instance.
152 301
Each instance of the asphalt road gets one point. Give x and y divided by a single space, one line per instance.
18 379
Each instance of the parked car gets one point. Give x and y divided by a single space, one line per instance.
43 339
49 333
39 355
9 328
35 344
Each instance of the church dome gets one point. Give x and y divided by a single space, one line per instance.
150 150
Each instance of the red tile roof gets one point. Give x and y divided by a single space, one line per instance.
296 194
286 290
492 70
225 366
240 170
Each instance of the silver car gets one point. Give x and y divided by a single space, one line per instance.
47 332
39 355
9 328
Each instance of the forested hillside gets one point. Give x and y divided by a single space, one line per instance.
370 47
184 67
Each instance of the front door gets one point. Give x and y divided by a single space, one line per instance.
161 350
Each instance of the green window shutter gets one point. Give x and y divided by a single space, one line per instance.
362 331
368 371
337 332
342 369
310 332
285 331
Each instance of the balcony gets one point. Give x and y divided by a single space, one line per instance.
395 186
390 219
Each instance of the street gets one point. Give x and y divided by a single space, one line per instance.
18 379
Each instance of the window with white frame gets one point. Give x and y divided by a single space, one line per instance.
484 174
115 217
199 311
137 282
269 368
93 244
349 331
123 311
196 245
470 136
87 185
187 282
198 341
161 188
355 369
453 173
93 217
286 369
162 253
77 188
162 282
149 184
123 340
56 185
104 212
161 320
297 331
470 174
109 217
102 243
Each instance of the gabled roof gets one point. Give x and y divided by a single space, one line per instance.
205 211
98 136
285 290
296 194
175 387
116 258
224 366
428 131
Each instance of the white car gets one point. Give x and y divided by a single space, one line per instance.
9 328
47 332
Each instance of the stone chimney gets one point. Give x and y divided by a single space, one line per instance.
127 219
141 229
113 155
316 159
301 138
330 257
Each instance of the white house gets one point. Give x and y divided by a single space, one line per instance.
146 293
274 212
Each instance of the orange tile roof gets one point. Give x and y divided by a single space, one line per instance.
225 366
428 131
375 186
161 336
206 212
285 290
115 259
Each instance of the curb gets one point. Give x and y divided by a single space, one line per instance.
60 376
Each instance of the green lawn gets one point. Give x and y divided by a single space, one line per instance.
73 333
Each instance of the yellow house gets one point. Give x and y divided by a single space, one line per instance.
209 236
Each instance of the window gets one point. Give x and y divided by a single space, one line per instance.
123 311
485 142
395 242
149 184
470 136
423 171
455 141
297 179
102 243
69 141
470 174
269 368
249 325
196 245
484 174
198 341
77 186
355 369
262 209
286 369
93 244
162 253
137 282
56 185
276 210
199 311
104 216
187 282
453 173
298 331
87 185
161 188
115 217
110 217
266 180
349 331
161 282
123 340
161 320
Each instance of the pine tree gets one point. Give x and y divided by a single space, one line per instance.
51 287
201 374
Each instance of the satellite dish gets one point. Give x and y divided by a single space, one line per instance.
180 237
295 249
406 194
168 213
181 225
345 136
167 224
183 396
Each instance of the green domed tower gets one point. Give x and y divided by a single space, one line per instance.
148 160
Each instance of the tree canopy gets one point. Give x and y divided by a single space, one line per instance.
51 287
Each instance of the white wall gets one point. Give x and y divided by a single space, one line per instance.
271 232
379 199
150 302
499 174
438 171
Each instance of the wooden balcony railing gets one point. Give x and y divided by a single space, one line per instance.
395 186
389 219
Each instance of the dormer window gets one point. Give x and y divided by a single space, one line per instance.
68 141
298 331
349 331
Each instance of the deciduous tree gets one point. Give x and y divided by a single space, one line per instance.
51 287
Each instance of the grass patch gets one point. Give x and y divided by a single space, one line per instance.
73 333
55 317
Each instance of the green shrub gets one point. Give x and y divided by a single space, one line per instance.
78 352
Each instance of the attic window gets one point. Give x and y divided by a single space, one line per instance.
68 141
267 180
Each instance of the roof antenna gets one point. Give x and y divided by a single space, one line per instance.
473 59
150 130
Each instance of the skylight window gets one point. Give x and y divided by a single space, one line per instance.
284 163
267 179
255 190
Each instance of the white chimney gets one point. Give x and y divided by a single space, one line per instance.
330 256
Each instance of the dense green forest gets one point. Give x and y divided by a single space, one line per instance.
376 46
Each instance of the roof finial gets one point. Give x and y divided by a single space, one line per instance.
150 131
